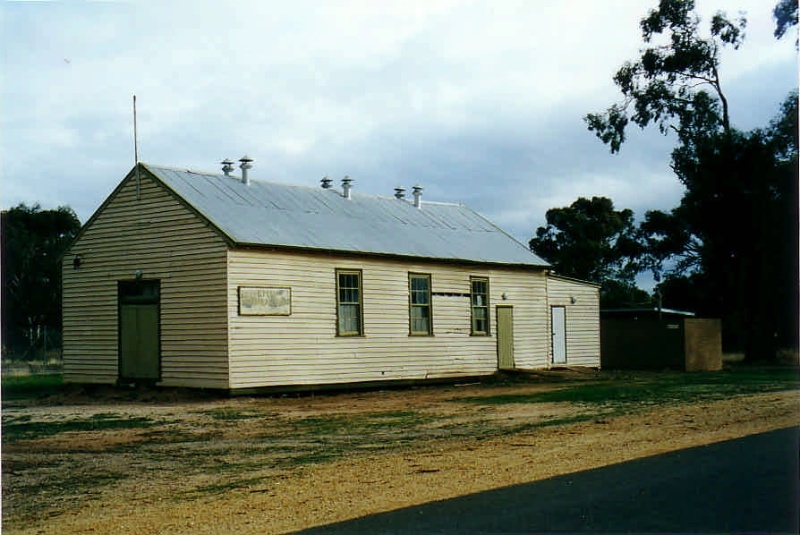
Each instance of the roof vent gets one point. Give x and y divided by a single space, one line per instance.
399 193
326 182
246 165
417 192
346 186
227 166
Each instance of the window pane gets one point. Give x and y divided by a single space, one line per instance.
348 319
420 304
419 283
479 319
420 320
419 298
480 306
349 305
424 296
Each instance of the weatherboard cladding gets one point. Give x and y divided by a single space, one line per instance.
581 300
281 215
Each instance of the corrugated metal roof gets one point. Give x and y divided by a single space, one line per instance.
265 213
646 310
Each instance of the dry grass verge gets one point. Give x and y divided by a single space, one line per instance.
269 465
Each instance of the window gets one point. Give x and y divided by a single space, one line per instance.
420 304
479 295
348 301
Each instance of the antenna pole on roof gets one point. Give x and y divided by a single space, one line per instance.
136 151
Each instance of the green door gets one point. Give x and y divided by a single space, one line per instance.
139 343
505 337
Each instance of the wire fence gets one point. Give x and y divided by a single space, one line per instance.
41 344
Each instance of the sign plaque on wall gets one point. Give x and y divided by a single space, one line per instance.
265 301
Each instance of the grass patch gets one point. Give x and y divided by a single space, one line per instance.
316 440
623 390
74 484
554 422
321 425
227 414
356 424
221 488
313 457
31 386
25 429
391 420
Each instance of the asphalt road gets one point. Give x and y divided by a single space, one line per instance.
748 485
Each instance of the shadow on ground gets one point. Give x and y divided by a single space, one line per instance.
744 485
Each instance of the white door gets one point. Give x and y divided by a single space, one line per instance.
559 323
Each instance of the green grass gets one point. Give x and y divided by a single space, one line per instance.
222 488
325 438
228 414
64 483
627 390
24 428
31 386
347 424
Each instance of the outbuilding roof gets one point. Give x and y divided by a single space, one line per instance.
282 215
644 311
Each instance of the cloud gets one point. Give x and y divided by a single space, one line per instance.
479 102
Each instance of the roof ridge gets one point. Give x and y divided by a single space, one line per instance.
289 184
278 214
174 168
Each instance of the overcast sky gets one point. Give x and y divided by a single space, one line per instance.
478 102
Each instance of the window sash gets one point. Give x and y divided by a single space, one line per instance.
479 297
348 303
420 304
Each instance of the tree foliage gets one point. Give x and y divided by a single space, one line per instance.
785 15
590 240
730 248
33 241
670 82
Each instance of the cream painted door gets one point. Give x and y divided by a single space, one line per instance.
505 337
139 339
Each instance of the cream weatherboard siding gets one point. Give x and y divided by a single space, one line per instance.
207 342
303 348
158 235
581 301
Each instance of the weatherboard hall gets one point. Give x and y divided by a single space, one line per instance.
189 279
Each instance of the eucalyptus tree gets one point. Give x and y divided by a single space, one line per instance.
676 83
785 14
729 235
590 240
33 241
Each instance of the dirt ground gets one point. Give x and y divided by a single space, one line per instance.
281 464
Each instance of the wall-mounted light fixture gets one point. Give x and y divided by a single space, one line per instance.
504 296
137 274
77 261
573 299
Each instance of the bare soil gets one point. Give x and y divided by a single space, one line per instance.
159 464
